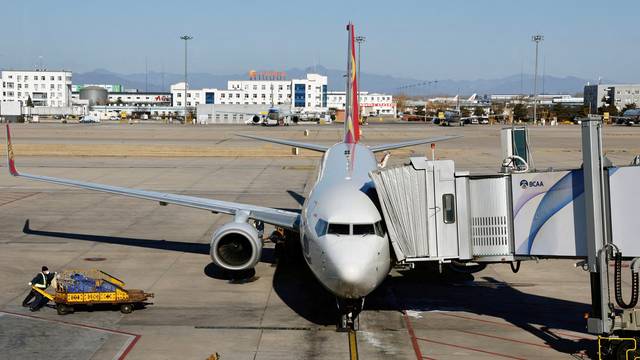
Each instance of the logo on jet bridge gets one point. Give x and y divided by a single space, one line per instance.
533 183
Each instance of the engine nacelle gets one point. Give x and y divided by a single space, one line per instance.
236 246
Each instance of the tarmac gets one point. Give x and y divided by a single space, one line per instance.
283 313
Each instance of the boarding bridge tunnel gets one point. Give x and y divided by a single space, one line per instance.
435 213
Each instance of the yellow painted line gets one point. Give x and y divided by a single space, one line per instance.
353 345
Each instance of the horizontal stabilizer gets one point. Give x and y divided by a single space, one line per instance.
314 147
384 147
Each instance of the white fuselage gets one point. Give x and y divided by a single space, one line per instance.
342 235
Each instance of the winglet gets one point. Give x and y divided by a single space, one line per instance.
12 164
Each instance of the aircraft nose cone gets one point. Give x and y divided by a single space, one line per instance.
354 274
351 275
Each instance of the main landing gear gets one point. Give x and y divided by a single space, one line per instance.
349 311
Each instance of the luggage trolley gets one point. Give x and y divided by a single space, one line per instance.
91 287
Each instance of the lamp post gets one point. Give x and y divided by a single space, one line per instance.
186 38
537 39
359 39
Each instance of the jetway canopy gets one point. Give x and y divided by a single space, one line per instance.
433 213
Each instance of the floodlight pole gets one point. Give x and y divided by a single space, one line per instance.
186 38
537 39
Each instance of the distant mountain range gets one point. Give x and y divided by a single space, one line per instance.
370 82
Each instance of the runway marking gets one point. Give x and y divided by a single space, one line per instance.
353 345
471 349
120 355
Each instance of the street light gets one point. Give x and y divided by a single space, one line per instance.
537 39
359 39
186 38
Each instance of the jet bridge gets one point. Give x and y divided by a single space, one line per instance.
434 213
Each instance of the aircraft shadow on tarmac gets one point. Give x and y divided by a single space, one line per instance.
179 246
450 292
422 289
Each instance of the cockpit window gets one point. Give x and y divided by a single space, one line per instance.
379 228
363 229
321 227
339 229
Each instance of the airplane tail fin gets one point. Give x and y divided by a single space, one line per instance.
352 111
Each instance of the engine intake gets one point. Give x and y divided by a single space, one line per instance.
236 246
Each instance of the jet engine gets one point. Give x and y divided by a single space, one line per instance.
236 246
255 119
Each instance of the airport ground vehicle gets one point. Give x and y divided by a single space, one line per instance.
89 119
92 287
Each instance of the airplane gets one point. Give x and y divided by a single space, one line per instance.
340 230
454 100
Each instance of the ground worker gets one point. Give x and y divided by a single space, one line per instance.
41 281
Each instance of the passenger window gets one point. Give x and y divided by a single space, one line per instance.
339 229
363 229
379 228
449 208
321 227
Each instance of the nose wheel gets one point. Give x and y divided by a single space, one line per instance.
349 314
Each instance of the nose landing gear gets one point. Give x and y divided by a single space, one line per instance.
349 311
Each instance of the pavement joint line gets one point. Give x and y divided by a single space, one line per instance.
20 198
230 327
505 339
582 336
471 349
120 355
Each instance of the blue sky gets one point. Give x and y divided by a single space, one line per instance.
451 39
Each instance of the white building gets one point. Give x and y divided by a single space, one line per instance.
45 88
619 95
307 95
373 104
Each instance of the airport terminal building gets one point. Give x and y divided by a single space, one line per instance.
305 96
43 87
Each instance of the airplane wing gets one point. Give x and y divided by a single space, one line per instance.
314 147
384 147
287 219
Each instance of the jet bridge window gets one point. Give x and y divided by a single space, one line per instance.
449 208
363 229
339 229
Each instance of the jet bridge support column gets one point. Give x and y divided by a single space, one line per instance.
600 321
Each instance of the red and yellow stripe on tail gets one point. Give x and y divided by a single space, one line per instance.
352 120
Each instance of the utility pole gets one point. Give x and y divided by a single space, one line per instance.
537 39
359 39
186 38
